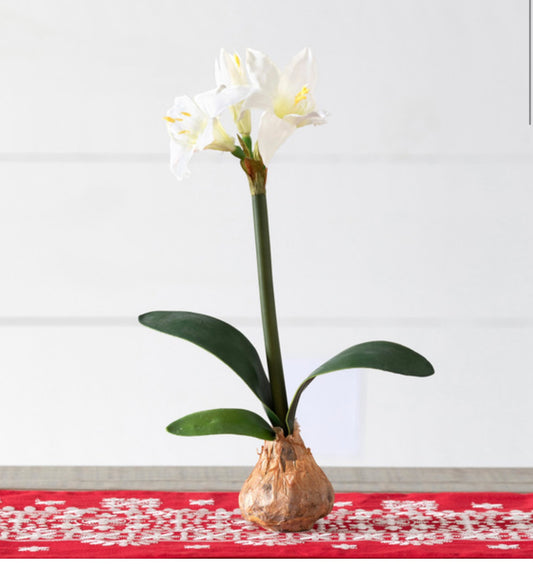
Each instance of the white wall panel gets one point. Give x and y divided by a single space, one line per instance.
350 240
406 217
400 77
105 395
475 411
78 395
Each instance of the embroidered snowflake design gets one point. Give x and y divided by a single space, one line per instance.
130 521
201 501
39 502
486 505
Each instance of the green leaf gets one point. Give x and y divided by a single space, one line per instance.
382 355
220 339
274 419
223 421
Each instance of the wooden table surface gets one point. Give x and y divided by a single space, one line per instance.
231 478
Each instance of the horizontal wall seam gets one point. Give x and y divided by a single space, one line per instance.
427 322
143 158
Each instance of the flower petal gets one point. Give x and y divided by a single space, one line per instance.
205 137
312 118
222 75
264 77
273 132
185 121
214 102
180 155
221 140
257 99
300 72
182 104
229 71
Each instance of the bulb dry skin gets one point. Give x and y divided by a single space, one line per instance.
287 490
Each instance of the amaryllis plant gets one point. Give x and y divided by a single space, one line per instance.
286 101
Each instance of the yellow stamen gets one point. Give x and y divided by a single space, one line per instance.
237 60
302 95
169 119
183 131
186 114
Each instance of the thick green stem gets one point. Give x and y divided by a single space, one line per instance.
268 306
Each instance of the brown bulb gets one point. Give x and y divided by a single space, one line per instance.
287 490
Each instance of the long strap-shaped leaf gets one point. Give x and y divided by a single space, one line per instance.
382 355
220 339
223 421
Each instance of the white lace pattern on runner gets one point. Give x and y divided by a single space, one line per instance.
130 521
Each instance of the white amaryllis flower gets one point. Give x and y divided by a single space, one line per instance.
193 125
230 72
285 96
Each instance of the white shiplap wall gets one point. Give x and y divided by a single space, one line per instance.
406 218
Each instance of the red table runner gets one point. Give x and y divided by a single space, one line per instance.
142 524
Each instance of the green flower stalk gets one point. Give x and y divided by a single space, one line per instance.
268 307
257 173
